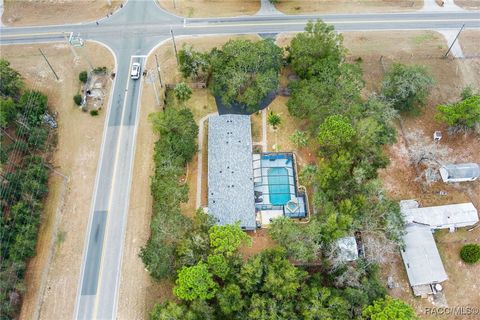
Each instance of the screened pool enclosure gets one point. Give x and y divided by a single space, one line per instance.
275 187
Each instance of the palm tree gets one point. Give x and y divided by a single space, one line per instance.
274 120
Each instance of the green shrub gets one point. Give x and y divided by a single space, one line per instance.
470 253
94 113
77 99
83 76
100 70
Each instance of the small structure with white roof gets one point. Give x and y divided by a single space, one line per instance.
460 172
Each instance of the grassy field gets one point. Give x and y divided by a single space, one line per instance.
468 4
210 8
346 6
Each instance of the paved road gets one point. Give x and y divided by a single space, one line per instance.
131 34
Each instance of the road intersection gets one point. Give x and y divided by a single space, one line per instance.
131 34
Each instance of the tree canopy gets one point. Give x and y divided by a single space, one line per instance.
227 239
407 87
465 113
389 308
11 82
195 282
24 182
245 72
177 129
317 52
192 64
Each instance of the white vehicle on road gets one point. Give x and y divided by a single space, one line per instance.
135 74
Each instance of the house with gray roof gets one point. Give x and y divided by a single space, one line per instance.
460 172
246 187
230 171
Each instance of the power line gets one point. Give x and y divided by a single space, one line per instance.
56 76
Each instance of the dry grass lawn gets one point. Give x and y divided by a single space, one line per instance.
76 155
44 12
346 6
210 8
468 4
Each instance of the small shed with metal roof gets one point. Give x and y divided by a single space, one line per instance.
460 172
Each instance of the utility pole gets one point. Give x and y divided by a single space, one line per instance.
174 44
158 71
454 40
56 76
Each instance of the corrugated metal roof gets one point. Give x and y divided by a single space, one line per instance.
230 171
420 256
440 217
460 171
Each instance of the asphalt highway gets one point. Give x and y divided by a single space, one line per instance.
131 33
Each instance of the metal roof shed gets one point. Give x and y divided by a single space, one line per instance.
442 217
460 172
421 258
230 171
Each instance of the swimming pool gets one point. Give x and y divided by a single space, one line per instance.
278 186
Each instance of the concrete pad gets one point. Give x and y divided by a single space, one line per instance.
267 9
448 5
450 35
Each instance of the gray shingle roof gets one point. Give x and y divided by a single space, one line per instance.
420 256
230 170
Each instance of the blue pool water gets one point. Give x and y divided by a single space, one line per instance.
278 186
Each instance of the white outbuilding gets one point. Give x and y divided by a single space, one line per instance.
450 216
460 172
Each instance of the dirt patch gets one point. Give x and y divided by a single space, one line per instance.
46 12
260 241
210 8
76 156
469 40
346 6
468 4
